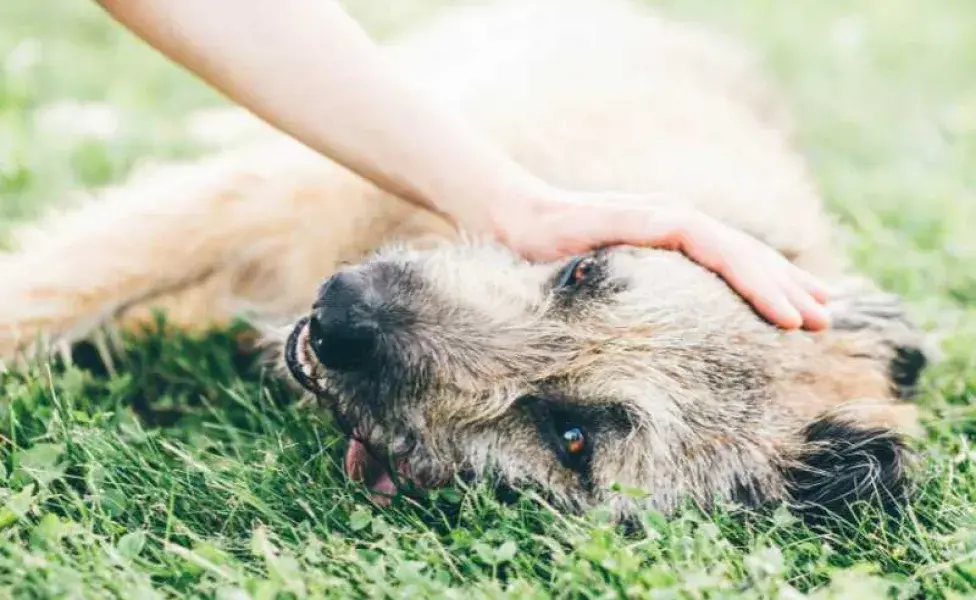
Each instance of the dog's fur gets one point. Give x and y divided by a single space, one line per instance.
679 388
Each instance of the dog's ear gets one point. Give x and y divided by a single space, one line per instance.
842 464
859 306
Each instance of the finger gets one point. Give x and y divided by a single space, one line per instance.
811 284
806 281
750 277
815 317
766 295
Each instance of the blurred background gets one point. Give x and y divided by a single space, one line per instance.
884 92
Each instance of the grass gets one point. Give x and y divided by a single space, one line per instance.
189 472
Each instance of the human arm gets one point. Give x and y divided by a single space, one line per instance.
307 68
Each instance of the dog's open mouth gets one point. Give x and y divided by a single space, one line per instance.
384 478
298 358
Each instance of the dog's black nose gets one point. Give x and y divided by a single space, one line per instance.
343 328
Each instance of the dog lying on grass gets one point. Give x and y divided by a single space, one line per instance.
442 356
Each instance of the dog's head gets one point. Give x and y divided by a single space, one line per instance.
624 369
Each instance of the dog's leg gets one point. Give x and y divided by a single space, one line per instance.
179 228
251 233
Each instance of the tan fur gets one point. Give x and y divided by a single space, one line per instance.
655 111
589 95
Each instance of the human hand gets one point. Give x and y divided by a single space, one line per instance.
572 223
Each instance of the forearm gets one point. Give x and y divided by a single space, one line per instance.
308 69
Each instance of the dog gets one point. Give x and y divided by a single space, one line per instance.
628 377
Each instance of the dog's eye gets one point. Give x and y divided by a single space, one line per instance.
569 430
574 441
575 272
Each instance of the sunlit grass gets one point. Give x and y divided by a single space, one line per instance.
191 473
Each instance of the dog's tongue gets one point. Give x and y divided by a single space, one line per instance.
362 466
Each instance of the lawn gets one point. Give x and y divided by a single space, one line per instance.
185 471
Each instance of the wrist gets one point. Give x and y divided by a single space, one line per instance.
509 218
496 206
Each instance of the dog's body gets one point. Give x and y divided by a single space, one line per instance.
588 95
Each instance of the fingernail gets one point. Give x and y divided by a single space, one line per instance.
789 317
819 319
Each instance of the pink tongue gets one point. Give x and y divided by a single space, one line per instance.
361 466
